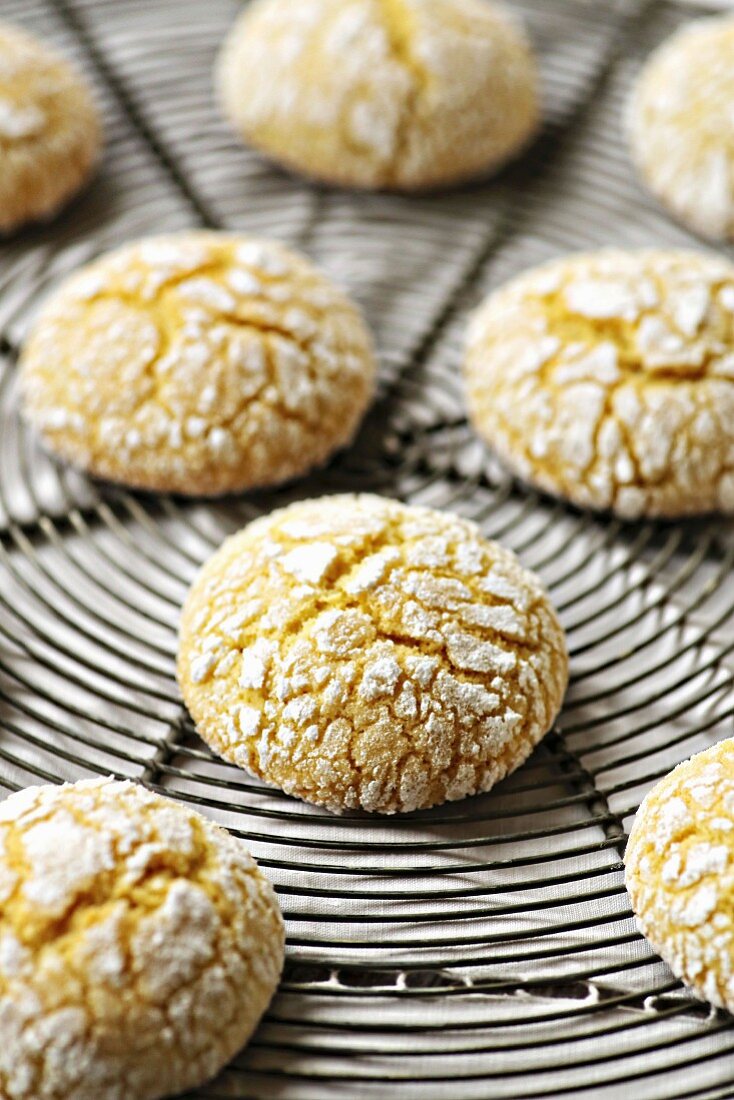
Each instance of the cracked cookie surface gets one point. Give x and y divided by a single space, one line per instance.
360 653
198 363
396 94
679 871
139 944
608 379
50 133
681 126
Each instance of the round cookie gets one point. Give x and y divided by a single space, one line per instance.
608 379
199 363
681 126
139 944
679 871
50 133
360 653
396 94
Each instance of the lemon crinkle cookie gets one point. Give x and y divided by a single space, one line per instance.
679 868
198 363
139 944
681 125
608 379
357 652
50 133
399 94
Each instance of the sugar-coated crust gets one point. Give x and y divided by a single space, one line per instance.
50 133
396 94
139 944
360 653
608 379
198 363
681 125
679 867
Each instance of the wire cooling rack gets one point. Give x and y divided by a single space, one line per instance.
481 950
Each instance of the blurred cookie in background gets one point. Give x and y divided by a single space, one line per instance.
50 132
402 95
681 126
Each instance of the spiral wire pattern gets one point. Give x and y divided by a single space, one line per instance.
481 949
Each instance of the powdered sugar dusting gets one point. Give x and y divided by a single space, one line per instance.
368 671
681 125
18 122
680 871
53 883
126 898
49 129
171 364
311 562
398 94
633 410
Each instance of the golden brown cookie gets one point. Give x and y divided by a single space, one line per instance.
357 652
681 126
608 379
679 868
200 363
398 94
50 134
139 944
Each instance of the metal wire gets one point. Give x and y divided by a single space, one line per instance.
484 949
